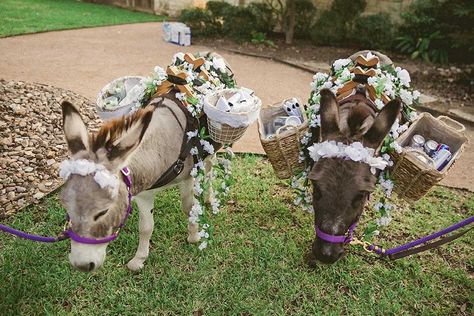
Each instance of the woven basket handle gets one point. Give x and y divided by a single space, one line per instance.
460 127
285 127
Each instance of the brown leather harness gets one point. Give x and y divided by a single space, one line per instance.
192 124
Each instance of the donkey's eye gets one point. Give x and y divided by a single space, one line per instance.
96 217
359 198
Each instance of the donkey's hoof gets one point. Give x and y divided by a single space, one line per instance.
193 239
135 264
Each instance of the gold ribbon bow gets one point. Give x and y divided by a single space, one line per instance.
359 69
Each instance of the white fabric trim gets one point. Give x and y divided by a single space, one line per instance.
83 167
355 152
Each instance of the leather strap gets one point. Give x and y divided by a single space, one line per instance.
192 124
432 245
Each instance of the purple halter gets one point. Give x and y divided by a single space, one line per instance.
336 239
69 233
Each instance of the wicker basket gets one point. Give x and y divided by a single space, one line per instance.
413 172
123 109
282 149
232 125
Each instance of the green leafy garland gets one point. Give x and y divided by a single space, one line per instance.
210 188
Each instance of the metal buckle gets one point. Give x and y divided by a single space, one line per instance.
364 244
179 166
125 171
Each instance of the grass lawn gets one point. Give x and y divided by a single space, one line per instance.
255 266
31 16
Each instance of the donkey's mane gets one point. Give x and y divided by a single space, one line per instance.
114 129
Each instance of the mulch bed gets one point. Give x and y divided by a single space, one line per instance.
32 140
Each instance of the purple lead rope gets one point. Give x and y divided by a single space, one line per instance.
33 237
69 233
420 241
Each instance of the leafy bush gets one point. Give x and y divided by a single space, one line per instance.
239 23
218 9
305 16
199 21
373 31
435 30
334 26
265 18
223 19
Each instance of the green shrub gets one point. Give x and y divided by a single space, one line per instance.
265 19
218 9
437 30
305 16
328 30
199 21
373 31
335 26
239 23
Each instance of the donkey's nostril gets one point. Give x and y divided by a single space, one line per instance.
86 267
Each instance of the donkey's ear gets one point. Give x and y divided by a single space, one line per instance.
382 124
74 128
329 111
120 138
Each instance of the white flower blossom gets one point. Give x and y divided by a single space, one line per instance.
207 146
372 81
416 94
379 104
338 64
180 96
192 134
406 97
397 147
384 221
404 76
203 245
219 64
194 151
177 56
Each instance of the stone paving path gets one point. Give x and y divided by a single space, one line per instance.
85 60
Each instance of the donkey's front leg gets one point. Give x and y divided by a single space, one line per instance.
145 205
186 188
208 163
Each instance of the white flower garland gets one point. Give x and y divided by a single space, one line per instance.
221 172
394 83
83 167
355 152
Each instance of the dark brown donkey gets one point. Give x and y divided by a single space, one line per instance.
341 187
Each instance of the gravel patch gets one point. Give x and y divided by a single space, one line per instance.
32 140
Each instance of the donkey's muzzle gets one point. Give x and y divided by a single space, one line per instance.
86 267
326 252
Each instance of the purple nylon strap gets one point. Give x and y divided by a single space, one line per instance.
337 239
69 233
420 241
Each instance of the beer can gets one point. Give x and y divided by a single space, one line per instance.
442 146
441 158
417 141
430 147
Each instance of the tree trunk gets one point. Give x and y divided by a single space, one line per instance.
290 21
